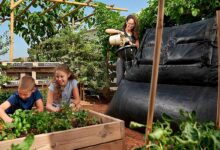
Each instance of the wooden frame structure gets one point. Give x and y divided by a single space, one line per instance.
14 4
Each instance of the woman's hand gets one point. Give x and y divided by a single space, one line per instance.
121 33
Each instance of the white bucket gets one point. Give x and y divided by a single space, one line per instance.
117 39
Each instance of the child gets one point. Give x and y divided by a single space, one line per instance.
26 96
63 86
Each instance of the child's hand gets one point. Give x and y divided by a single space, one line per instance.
78 106
75 107
57 109
9 120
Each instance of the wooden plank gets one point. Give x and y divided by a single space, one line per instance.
119 144
105 118
85 4
90 15
78 137
48 9
22 70
16 4
31 64
29 5
73 11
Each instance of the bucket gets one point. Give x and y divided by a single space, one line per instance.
117 39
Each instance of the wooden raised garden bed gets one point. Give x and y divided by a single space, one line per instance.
107 135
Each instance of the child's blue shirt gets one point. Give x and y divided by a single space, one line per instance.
18 103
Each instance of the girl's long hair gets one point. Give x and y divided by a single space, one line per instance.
135 29
57 88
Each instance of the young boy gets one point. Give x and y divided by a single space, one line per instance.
26 96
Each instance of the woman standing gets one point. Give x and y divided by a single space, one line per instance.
130 31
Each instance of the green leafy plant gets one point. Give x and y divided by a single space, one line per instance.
30 121
177 12
104 19
35 27
81 53
25 145
4 43
191 135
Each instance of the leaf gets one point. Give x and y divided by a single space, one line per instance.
156 134
25 145
195 12
134 125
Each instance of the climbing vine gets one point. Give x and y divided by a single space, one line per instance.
177 12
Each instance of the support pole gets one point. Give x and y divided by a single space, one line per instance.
218 99
11 31
156 61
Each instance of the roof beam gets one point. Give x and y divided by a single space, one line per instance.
79 20
16 4
85 4
52 7
19 15
75 10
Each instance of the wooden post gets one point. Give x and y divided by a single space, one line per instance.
34 74
218 99
11 31
156 61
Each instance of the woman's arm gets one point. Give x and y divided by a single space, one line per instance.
113 31
49 105
137 43
3 115
40 105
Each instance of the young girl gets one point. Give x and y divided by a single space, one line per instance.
62 88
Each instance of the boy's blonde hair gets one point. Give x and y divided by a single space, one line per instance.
26 83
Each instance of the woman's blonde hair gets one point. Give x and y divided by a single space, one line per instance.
26 83
57 87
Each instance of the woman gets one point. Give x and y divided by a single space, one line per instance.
130 30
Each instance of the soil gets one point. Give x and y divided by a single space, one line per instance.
133 139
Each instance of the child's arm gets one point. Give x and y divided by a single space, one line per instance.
49 105
76 97
3 115
40 105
